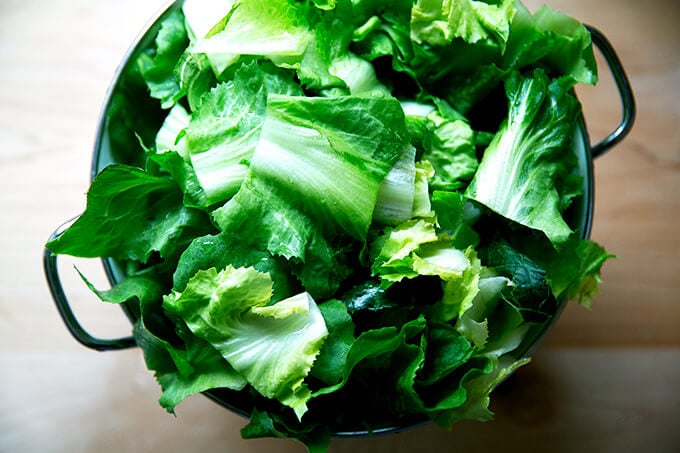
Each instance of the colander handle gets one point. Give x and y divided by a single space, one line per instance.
64 307
625 92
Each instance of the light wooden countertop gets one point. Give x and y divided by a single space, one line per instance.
604 381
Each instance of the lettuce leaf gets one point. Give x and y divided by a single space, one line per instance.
158 67
131 215
437 23
450 149
517 177
554 39
282 34
184 371
272 346
223 132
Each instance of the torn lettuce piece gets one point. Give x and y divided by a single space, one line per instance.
438 22
132 215
456 216
330 41
446 140
223 132
380 345
422 205
171 136
328 366
572 271
357 73
413 249
183 173
391 253
519 172
451 152
552 39
328 66
494 326
331 153
477 386
195 76
274 29
529 291
315 437
582 281
184 371
202 15
272 346
474 324
396 194
182 363
459 271
158 66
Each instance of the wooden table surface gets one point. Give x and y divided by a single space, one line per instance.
604 381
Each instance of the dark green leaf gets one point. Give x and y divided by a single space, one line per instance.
130 215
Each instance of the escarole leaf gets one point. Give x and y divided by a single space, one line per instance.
529 293
130 215
422 205
315 438
477 385
438 22
183 363
518 174
329 67
459 271
380 344
274 29
414 249
171 136
396 194
332 153
391 253
357 73
183 371
554 39
455 216
203 15
272 346
223 132
335 152
158 67
583 285
451 149
573 270
329 365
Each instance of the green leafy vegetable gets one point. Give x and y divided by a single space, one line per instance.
131 215
438 22
518 175
158 68
331 152
282 36
271 346
223 132
345 214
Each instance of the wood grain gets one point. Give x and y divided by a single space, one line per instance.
604 380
